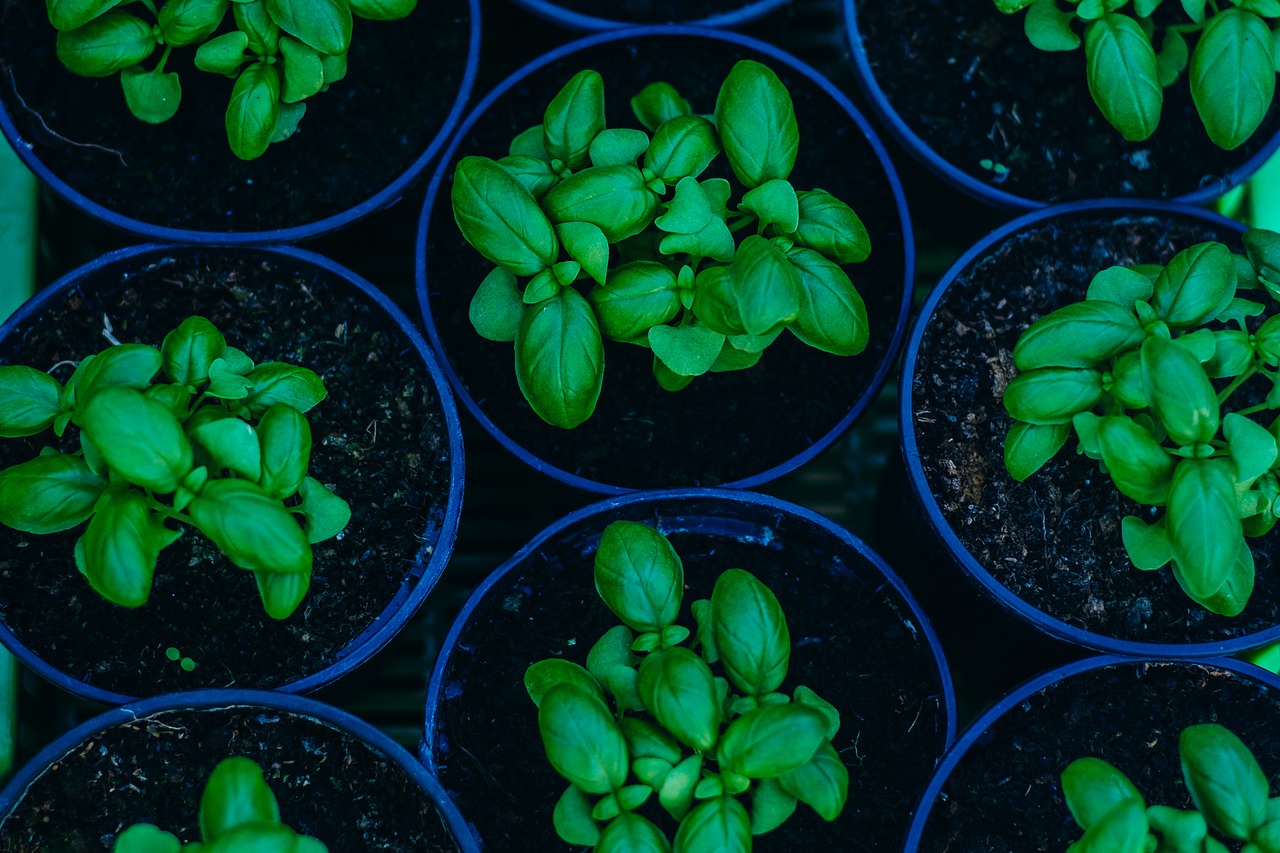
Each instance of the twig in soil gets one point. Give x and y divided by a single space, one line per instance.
58 136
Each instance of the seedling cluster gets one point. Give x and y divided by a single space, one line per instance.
648 715
1228 788
1231 65
1132 369
279 53
658 250
193 432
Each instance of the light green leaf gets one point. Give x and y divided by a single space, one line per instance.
276 382
573 118
1146 544
771 740
117 553
236 794
545 674
186 22
1171 61
677 687
112 42
324 514
1028 446
1092 788
1123 75
535 175
582 739
226 441
1203 525
1049 28
323 24
223 54
29 401
638 296
1138 465
657 104
1224 779
719 825
587 245
774 203
676 793
139 437
757 124
1052 395
631 833
1081 334
1195 286
500 218
771 805
1253 449
750 630
613 198
639 575
253 529
146 838
830 226
620 146
382 10
560 359
253 19
822 782
1121 285
1180 392
682 147
497 308
284 439
303 73
253 110
152 96
572 817
688 350
71 14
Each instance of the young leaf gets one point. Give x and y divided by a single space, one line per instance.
1180 392
545 674
676 793
612 649
223 54
1081 334
582 739
572 818
117 553
806 696
822 782
48 493
1252 448
1121 830
682 147
188 350
324 514
105 45
29 401
830 226
621 146
766 287
1049 28
186 22
832 315
560 359
1171 61
1092 787
771 740
323 24
645 740
757 124
1187 828
1195 286
657 104
1224 779
1122 285
225 441
677 687
1052 395
1233 75
613 198
499 217
587 245
139 437
497 308
771 805
284 439
692 225
382 10
528 143
236 794
303 74
1194 9
152 96
719 825
750 631
146 838
276 382
1203 525
573 118
1138 465
631 833
773 203
1028 446
253 529
687 350
1123 75
639 576
72 14
254 21
253 110
535 175
1146 544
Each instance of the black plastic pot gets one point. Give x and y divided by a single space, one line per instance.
998 787
735 429
858 639
361 145
727 14
405 493
147 762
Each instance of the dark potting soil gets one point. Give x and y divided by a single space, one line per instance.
1006 792
853 641
1054 539
653 11
328 784
726 426
965 79
354 140
379 440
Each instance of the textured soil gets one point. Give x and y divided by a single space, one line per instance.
1006 794
965 79
1054 538
328 784
354 140
853 642
724 427
379 441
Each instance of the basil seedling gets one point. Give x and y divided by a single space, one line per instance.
238 812
1132 371
649 716
613 233
1231 65
1228 789
193 432
278 52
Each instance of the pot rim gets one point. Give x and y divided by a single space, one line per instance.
841 101
380 199
746 12
982 191
924 496
214 699
419 580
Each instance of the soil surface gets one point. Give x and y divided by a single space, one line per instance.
965 79
853 642
328 784
724 427
355 139
379 441
1054 538
1006 793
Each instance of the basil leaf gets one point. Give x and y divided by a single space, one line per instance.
731 358
284 439
572 818
693 225
1138 465
224 54
189 350
560 359
287 120
822 782
1092 787
124 365
499 217
225 441
715 301
582 739
1052 395
324 513
832 315
1180 392
1252 448
535 175
253 110
645 740
1233 76
1082 334
613 198
117 553
235 794
771 740
678 689
254 21
1224 779
631 833
1049 28
1203 525
1124 829
1172 58
831 227
1146 544
29 401
497 307
528 143
382 10
657 104
252 528
1231 355
1123 75
303 74
72 14
186 22
323 24
146 838
139 437
587 245
573 118
639 576
49 493
618 147
152 96
105 45
757 124
766 287
774 203
688 350
276 382
1028 446
545 674
1121 285
719 824
682 147
750 631
1195 286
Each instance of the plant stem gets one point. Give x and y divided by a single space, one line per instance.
1236 383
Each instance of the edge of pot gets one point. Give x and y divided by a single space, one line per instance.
571 20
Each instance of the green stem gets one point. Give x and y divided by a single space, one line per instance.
1261 407
1236 383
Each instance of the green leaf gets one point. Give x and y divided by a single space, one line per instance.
1138 465
587 245
105 45
832 315
497 308
773 203
657 104
1195 286
223 54
822 782
72 14
1194 9
276 382
631 833
528 143
676 794
1121 830
225 441
682 147
693 226
1052 395
1252 448
146 838
645 740
830 226
382 10
139 437
1171 61
117 553
253 110
719 825
500 218
612 649
236 794
1146 544
1203 525
322 24
677 687
1120 285
806 696
1092 788
572 817
125 365
545 674
750 630
1233 76
190 349
1081 334
253 529
757 124
618 147
226 383
639 575
756 294
687 350
1028 446
1232 354
152 96
1123 75
573 118
535 175
771 740
613 198
1224 779
582 739
627 798
186 22
324 513
29 401
1180 392
303 73
560 359
49 493
1049 28
284 439
253 19
732 358
1185 830
771 805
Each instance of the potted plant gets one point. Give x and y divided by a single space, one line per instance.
1013 778
384 439
182 131
543 606
219 765
620 408
1047 550
582 15
974 99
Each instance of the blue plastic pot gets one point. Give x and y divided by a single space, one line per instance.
910 139
273 709
30 144
481 728
581 457
983 740
422 569
961 594
574 20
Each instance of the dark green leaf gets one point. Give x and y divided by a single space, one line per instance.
500 218
639 575
572 818
806 696
750 631
323 24
631 833
1049 28
1093 9
613 198
573 118
284 438
688 350
1146 544
1180 392
719 825
117 553
832 315
1081 334
560 359
830 226
1121 830
29 401
1092 787
107 44
1028 446
757 124
146 838
759 291
189 350
1138 465
382 10
186 22
677 687
1225 781
771 805
732 358
1203 524
253 110
1123 75
254 21
225 441
1185 827
587 245
528 143
771 740
72 14
1232 354
125 365
276 382
612 649
676 794
545 674
1052 395
253 529
224 54
582 739
152 96
324 513
773 203
693 226
496 309
48 493
1171 61
657 104
1252 448
1194 9
1233 76
822 782
139 437
303 73
1122 285
618 147
236 794
682 147
535 175
1195 286
645 740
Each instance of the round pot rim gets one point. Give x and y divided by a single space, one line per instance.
978 727
746 12
203 700
380 199
982 191
419 579
923 494
895 342
728 497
